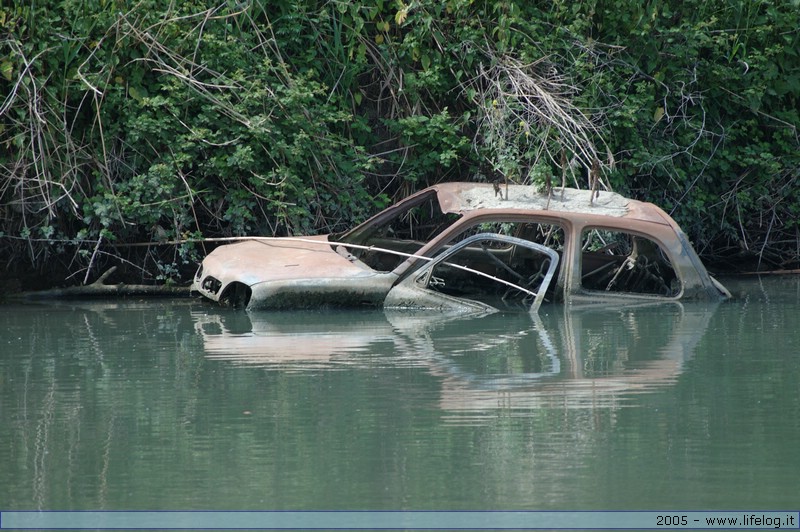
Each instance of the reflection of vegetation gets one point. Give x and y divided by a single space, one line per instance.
117 408
112 407
79 387
615 341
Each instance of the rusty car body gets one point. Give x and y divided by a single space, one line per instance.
470 247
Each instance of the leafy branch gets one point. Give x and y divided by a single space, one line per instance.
528 119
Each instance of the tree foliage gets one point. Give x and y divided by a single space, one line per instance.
126 122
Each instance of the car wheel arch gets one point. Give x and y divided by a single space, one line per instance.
236 295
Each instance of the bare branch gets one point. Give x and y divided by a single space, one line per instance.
528 118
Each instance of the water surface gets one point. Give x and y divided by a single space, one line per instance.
148 405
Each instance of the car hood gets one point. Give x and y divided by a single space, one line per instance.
281 259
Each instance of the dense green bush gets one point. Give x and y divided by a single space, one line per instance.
126 122
702 102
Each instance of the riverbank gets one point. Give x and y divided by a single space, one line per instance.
127 281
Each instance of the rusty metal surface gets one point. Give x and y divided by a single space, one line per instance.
297 273
277 259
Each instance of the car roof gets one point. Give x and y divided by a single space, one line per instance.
563 202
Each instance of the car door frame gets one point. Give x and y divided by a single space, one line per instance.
414 292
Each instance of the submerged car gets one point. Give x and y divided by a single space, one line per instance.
466 247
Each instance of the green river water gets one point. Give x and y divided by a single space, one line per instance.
154 405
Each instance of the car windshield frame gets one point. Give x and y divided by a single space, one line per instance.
364 230
385 248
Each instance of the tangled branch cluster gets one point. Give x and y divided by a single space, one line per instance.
528 114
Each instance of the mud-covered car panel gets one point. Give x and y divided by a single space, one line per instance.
608 246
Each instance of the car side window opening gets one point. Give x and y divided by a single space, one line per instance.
504 263
622 262
547 234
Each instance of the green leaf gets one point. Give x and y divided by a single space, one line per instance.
138 93
426 61
6 69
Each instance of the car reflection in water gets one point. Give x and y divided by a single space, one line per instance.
565 358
